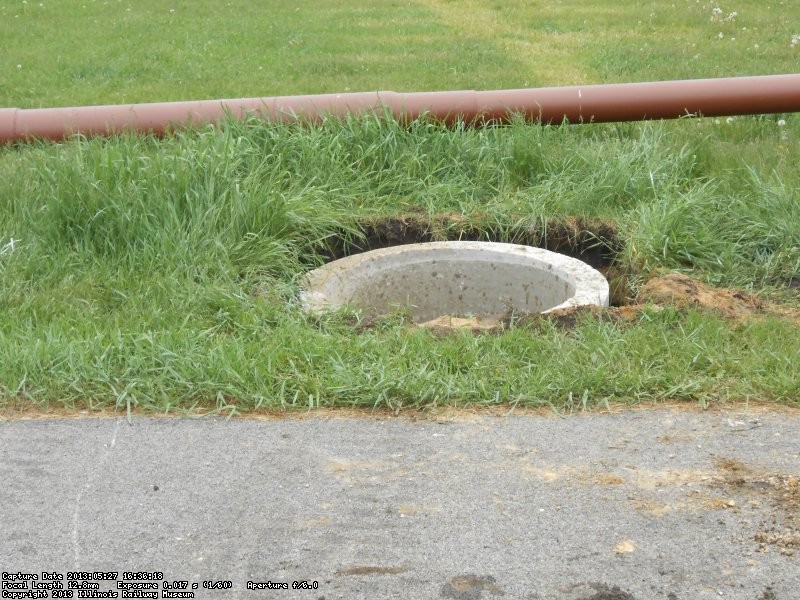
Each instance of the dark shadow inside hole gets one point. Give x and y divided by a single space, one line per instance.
593 241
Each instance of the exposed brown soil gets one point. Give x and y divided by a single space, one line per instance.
441 414
682 292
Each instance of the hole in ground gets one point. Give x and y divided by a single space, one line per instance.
593 241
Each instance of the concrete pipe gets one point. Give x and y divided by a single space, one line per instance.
434 279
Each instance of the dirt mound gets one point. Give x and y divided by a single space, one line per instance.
681 291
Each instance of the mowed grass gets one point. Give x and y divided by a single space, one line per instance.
162 274
77 52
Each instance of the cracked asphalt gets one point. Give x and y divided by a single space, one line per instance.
670 504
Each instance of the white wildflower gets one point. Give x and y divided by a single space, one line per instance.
781 122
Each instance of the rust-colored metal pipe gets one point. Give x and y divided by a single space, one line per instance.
575 104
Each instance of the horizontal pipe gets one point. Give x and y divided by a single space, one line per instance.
575 104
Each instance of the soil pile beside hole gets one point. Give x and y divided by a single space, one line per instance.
681 291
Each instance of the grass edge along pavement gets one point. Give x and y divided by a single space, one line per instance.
161 275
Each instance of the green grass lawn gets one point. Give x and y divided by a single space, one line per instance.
75 52
162 274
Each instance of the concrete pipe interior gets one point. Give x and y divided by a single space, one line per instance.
459 279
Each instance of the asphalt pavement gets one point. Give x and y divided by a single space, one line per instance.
668 504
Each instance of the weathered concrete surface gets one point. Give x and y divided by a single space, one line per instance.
456 278
658 504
